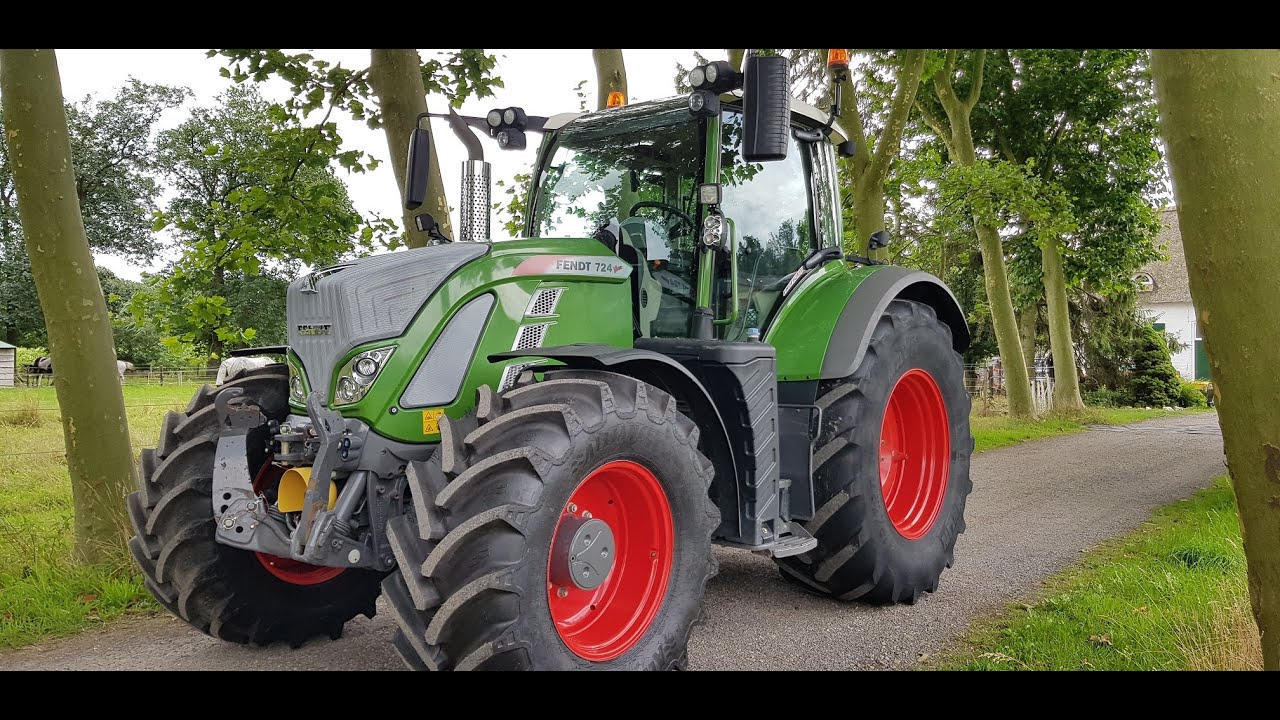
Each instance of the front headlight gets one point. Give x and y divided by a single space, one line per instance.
357 375
298 387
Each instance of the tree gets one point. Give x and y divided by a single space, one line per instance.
735 58
111 152
253 191
397 83
1219 121
1154 380
94 427
611 76
955 131
1083 123
874 111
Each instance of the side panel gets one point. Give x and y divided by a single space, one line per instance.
593 307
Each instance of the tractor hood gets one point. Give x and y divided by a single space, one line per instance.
332 310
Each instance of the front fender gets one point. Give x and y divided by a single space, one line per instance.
824 328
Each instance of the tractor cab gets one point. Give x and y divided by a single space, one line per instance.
661 185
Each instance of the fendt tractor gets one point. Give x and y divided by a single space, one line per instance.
529 446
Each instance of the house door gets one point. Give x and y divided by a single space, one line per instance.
1202 361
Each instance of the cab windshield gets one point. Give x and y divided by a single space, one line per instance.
640 169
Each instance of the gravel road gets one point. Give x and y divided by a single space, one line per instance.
1034 508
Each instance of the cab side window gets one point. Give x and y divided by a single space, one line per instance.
771 207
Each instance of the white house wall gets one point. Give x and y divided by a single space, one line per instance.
1179 320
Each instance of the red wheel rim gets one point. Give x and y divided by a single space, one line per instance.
288 569
915 454
604 622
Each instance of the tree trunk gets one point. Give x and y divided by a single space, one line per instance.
1027 334
735 58
396 78
868 212
94 425
869 168
611 76
1220 119
1017 382
959 141
1066 379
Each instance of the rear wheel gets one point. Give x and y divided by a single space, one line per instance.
231 594
891 466
564 525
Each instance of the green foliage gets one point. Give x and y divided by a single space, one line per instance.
1152 600
1191 395
1087 118
1154 380
1106 397
28 355
516 207
112 154
255 194
315 83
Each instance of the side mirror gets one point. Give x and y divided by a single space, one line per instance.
417 168
766 104
879 239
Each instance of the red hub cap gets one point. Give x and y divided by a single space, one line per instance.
610 560
915 454
288 569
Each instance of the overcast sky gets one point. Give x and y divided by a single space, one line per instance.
540 81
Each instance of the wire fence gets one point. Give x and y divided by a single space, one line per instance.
140 376
986 385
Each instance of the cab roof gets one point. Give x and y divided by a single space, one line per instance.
799 107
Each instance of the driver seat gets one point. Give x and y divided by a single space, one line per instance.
646 292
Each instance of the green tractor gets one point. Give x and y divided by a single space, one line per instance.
530 446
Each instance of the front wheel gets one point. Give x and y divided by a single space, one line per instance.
232 594
565 525
891 466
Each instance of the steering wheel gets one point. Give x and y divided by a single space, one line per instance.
669 209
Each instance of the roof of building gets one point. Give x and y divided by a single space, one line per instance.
1170 276
6 346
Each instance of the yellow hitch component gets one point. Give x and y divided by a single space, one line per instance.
293 487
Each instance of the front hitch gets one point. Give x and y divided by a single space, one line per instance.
314 541
238 511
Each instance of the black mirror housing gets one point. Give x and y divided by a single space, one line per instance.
417 168
766 105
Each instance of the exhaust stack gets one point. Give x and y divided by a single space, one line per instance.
473 213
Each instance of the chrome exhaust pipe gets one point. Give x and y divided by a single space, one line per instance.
473 212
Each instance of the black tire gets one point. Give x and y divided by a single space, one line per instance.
471 588
220 590
860 555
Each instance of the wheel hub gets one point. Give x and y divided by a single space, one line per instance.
583 556
610 560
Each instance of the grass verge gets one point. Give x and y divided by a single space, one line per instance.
43 592
1173 595
993 431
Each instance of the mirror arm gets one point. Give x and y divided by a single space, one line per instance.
825 131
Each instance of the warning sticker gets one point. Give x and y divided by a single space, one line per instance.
431 421
581 265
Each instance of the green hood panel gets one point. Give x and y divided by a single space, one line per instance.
594 306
